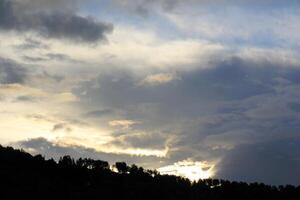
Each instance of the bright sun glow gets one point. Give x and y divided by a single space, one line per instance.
189 169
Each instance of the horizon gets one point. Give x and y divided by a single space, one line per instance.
193 88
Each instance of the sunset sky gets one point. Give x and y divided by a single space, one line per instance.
196 88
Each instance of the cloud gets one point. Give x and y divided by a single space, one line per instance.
39 117
189 169
58 56
52 57
141 140
273 162
46 6
54 150
124 124
65 97
25 99
210 111
159 79
99 113
16 90
33 59
62 127
224 21
11 72
180 85
144 7
30 43
54 24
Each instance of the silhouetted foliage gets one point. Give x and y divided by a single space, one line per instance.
122 167
23 176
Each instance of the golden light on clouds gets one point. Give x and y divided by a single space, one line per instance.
136 151
101 144
18 89
189 169
124 124
158 79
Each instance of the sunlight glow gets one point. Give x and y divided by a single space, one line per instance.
189 169
103 148
160 153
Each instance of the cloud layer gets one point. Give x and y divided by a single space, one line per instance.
179 84
55 23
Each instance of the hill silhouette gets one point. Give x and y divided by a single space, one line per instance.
23 176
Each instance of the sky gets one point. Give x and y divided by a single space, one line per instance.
195 88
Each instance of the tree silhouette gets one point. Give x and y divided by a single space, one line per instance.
122 167
66 161
23 176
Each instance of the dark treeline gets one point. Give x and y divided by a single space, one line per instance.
24 176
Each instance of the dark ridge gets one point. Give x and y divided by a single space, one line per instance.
23 176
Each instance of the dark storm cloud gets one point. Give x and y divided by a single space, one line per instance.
295 106
52 24
51 150
71 27
233 79
273 162
205 112
11 72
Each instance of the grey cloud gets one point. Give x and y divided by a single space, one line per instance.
58 56
62 57
46 5
61 126
141 140
99 113
295 106
273 162
72 27
52 150
30 43
196 92
7 18
208 111
34 59
26 99
77 122
55 77
39 117
145 7
11 72
50 57
54 24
